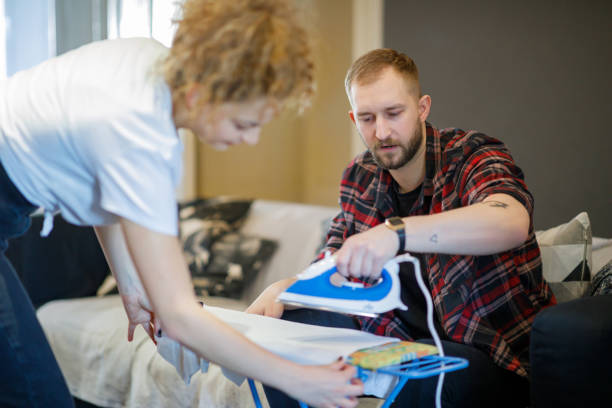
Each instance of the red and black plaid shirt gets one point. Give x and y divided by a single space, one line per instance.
485 301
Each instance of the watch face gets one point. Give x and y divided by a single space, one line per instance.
395 222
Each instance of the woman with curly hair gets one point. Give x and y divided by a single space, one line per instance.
92 134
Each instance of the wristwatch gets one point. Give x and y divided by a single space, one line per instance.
397 224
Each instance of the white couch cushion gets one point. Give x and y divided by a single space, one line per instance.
298 229
566 257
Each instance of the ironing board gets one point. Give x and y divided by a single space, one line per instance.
316 284
423 367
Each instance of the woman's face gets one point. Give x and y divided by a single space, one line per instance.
232 123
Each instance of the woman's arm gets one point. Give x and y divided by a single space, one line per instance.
133 295
159 262
496 224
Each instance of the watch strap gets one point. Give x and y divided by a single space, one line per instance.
401 234
397 224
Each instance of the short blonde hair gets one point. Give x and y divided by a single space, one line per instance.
368 67
240 50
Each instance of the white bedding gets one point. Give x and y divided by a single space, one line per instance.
102 368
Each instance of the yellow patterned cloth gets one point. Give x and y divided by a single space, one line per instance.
390 354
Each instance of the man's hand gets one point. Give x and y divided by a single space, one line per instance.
266 303
363 255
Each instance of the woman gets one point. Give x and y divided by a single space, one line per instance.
92 134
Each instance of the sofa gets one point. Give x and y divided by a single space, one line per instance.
86 326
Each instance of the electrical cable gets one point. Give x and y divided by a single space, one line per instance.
434 334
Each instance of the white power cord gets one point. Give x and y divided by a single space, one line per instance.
417 270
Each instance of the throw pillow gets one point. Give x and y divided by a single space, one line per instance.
234 261
204 221
566 257
223 209
221 260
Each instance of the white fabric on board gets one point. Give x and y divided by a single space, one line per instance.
298 342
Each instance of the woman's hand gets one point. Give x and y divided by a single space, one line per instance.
139 313
266 303
327 386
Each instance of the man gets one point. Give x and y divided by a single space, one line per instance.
456 200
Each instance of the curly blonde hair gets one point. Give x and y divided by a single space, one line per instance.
240 50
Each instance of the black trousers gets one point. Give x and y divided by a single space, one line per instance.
481 384
29 373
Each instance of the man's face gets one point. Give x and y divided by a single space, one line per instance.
389 118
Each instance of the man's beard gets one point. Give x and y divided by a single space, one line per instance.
406 151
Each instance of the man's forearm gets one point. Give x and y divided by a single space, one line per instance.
494 225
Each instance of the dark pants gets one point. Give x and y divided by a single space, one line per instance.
29 373
481 384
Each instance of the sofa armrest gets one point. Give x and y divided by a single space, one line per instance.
571 354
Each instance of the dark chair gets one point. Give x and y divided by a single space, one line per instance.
571 354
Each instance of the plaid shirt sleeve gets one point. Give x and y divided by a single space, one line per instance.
335 236
488 170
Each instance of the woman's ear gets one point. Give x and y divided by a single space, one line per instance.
191 96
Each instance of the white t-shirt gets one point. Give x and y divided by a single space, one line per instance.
90 134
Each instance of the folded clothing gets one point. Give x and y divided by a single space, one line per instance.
390 354
186 362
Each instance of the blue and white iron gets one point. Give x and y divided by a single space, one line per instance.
316 289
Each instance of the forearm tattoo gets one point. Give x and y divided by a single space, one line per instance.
498 204
434 238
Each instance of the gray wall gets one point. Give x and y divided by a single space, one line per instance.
79 22
535 74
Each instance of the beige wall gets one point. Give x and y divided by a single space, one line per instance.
298 158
